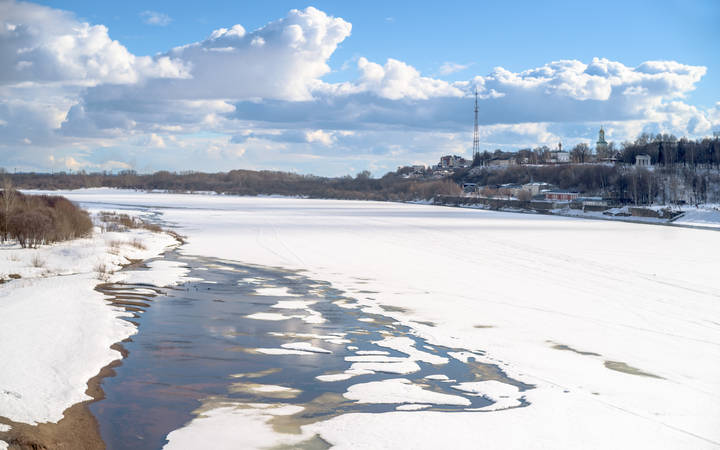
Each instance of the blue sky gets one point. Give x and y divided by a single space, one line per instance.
338 116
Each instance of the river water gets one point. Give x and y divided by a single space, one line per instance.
200 340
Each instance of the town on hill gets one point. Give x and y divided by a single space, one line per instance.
659 169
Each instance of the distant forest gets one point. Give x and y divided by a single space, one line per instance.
391 187
684 171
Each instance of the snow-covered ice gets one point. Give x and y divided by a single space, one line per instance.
548 299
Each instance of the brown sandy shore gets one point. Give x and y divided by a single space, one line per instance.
78 429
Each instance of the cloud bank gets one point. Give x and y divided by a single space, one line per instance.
71 97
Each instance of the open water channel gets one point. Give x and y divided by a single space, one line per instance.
238 327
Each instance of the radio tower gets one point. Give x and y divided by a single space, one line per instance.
476 135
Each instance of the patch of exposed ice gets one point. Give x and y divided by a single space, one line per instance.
371 352
332 338
304 346
252 280
400 390
375 358
502 394
268 390
162 273
232 426
313 317
412 406
283 351
293 304
274 291
270 316
401 368
344 375
406 345
464 356
438 376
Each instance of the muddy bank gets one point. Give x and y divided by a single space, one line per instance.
78 428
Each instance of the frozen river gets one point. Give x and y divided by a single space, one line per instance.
245 335
615 326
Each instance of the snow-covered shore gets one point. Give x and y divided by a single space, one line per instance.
616 324
55 329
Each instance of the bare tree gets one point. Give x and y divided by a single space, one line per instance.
524 195
580 153
7 202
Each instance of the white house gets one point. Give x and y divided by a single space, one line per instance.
559 157
536 187
643 160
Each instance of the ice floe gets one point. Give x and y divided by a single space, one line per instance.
400 390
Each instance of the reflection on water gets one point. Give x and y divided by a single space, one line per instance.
196 342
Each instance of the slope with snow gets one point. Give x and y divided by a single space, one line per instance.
55 329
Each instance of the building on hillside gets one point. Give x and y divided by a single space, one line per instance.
453 162
589 201
559 195
536 187
643 160
502 161
601 146
559 157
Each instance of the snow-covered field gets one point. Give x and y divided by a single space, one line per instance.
616 324
55 329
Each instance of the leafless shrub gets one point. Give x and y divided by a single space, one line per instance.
524 195
36 261
14 257
34 220
103 271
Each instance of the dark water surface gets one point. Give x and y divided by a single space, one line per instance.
193 338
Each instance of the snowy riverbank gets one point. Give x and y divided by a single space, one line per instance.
615 324
55 329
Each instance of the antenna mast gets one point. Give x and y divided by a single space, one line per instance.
476 134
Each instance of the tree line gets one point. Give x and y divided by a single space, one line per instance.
32 220
668 150
392 186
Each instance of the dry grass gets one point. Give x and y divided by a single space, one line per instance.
116 243
14 257
138 244
120 222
